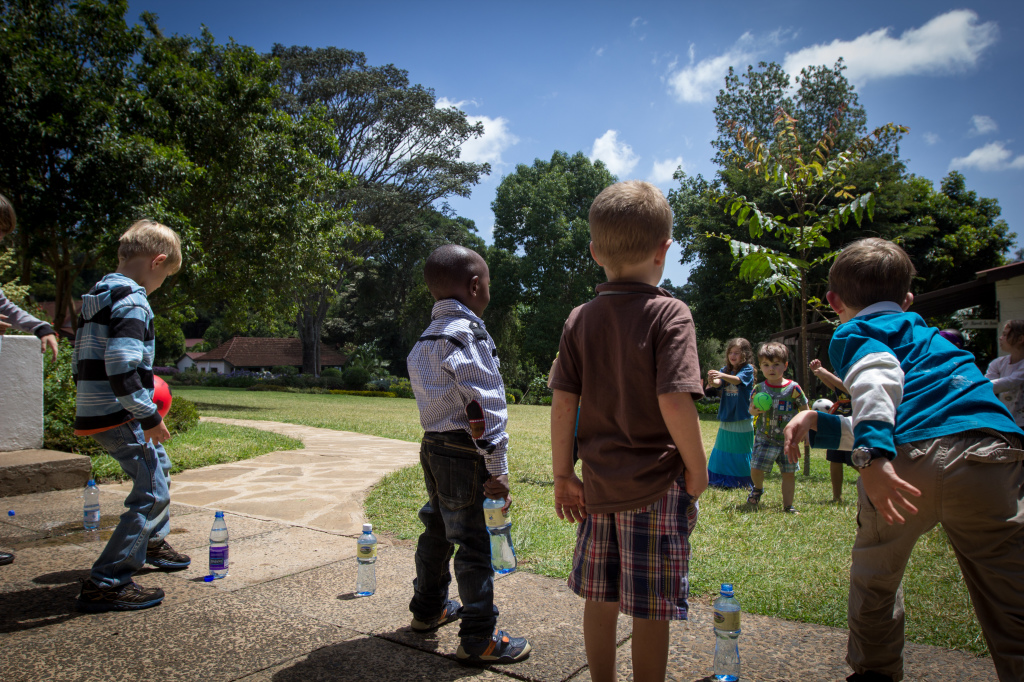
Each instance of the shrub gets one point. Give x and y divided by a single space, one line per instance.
183 416
365 394
355 378
516 394
286 370
401 388
331 372
705 406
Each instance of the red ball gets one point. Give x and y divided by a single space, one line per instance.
162 396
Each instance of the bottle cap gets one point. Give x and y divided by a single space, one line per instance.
209 578
91 482
10 513
367 527
727 589
219 515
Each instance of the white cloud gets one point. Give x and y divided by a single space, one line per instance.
599 52
982 125
931 138
992 157
662 171
699 81
637 22
949 43
617 156
488 147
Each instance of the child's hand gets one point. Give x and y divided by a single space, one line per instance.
569 502
696 481
753 410
50 340
158 434
796 432
814 365
885 490
713 377
4 326
497 486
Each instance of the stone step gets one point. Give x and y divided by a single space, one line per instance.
37 471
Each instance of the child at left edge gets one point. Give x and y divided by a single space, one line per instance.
13 316
113 373
787 399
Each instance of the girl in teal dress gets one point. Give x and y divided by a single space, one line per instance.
729 463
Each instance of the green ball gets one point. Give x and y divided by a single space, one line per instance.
763 402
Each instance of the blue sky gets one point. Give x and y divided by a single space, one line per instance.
634 83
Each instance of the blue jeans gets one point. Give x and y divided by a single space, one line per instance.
147 520
454 514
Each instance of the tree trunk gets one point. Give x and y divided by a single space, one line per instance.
310 321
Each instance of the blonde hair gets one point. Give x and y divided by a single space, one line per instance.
870 271
745 350
773 351
150 238
8 218
628 220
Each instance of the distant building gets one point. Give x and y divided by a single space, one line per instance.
257 354
187 360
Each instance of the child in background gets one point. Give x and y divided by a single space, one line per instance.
113 372
13 316
640 445
729 463
787 399
1007 372
837 459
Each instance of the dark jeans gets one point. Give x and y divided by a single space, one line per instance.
454 514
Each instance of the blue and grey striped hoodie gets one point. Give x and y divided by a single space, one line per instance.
113 358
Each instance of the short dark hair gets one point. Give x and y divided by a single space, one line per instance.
449 267
773 350
8 218
870 271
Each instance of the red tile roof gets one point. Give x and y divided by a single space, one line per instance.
247 351
192 342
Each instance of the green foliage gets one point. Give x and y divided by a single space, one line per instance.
332 372
402 388
368 358
274 388
182 417
540 265
15 293
365 394
356 377
170 341
707 407
517 395
286 370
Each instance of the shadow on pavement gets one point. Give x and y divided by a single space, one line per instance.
41 606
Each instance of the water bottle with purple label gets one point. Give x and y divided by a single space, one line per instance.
219 546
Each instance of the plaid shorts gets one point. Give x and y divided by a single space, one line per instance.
767 453
639 558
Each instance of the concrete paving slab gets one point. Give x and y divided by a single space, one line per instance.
774 650
212 639
260 558
191 533
371 659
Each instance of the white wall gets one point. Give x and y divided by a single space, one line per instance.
185 363
1010 294
219 366
21 393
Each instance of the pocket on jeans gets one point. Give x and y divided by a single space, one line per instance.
456 479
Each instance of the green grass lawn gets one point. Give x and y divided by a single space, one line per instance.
206 444
794 567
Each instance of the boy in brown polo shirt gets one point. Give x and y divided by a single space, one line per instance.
632 354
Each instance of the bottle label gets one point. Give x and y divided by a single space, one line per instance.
495 517
366 551
727 620
93 516
218 558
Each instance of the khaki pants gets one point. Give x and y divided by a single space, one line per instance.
973 484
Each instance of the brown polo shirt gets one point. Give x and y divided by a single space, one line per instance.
619 352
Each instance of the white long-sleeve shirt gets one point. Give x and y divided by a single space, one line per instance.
1008 383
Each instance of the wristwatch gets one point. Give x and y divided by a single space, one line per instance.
862 457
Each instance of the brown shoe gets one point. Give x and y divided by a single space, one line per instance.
127 597
162 556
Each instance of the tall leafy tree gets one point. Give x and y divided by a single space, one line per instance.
542 268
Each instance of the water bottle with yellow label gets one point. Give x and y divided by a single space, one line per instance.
727 635
366 556
503 557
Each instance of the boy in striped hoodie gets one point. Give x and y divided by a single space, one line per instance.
113 367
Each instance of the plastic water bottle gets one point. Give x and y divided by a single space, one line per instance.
366 557
91 513
727 635
219 546
503 557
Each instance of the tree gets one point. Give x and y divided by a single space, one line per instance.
66 160
402 151
806 181
540 212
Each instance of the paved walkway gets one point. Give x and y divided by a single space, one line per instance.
286 612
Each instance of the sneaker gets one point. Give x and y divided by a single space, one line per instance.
449 614
790 510
501 648
127 597
162 556
755 495
6 558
